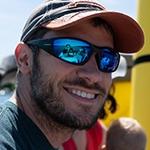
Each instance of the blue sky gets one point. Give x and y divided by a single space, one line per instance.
14 13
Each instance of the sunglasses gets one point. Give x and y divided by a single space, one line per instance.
78 52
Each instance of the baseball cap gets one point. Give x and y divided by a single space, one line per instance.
61 14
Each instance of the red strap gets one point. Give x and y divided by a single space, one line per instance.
69 145
94 139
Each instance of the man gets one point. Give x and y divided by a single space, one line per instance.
8 70
54 97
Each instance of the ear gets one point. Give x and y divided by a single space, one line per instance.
24 58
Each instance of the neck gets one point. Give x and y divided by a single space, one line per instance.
54 132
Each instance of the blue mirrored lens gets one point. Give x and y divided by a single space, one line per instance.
108 60
78 52
71 50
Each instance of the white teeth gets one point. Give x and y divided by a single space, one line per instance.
83 94
90 95
78 93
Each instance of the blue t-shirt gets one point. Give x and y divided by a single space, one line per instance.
18 132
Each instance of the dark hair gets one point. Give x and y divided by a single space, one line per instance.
98 22
110 102
37 35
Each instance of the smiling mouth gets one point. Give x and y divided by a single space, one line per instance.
82 93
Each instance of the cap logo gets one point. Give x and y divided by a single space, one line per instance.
74 3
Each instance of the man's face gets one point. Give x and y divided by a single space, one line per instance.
72 95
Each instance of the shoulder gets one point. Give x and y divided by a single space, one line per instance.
97 128
4 112
6 136
94 136
97 134
9 133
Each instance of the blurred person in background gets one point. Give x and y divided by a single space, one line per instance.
125 133
8 71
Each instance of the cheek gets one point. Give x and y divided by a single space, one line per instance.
108 82
52 66
61 66
62 69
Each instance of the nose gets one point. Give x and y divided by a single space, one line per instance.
90 72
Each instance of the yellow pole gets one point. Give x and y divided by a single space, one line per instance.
140 99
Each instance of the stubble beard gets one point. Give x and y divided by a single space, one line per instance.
48 98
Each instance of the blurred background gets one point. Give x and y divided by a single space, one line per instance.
14 13
130 88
